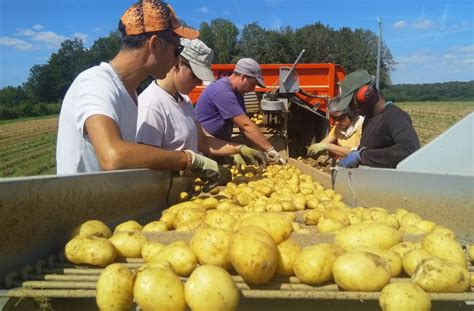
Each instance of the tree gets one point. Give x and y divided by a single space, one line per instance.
222 38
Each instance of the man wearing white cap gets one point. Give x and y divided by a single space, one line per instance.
221 105
166 116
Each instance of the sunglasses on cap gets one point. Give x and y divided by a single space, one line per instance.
340 117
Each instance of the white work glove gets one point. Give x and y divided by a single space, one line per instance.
205 168
274 157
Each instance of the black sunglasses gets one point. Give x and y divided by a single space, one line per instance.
340 117
174 40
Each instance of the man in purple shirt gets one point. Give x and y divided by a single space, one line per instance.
221 105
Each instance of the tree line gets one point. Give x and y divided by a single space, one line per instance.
47 84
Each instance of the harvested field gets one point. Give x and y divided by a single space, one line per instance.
28 147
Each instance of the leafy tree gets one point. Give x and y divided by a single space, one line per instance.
222 38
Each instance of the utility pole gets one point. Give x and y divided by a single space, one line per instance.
379 52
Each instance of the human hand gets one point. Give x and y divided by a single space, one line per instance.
205 168
274 157
255 157
238 160
351 160
315 150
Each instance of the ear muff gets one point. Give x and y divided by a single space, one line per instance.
367 94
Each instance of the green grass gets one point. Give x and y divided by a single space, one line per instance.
27 119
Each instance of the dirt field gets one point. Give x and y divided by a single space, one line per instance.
27 147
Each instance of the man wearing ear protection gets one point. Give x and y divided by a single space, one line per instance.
388 135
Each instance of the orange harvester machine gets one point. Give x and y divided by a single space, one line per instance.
294 101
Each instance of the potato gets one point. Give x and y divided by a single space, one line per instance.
93 227
150 281
351 271
211 246
393 259
411 229
188 214
210 203
191 225
470 252
89 249
411 260
253 254
313 265
326 225
158 263
115 288
404 296
372 234
409 219
128 244
211 288
155 226
130 225
277 225
403 248
311 217
437 275
220 219
151 249
444 231
444 247
287 252
181 257
426 225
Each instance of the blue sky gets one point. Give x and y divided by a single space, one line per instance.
431 40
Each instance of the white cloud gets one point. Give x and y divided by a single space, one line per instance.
81 36
38 27
423 24
400 24
16 44
204 9
51 39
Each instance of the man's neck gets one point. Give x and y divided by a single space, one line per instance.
129 66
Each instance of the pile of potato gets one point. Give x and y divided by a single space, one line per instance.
257 118
247 228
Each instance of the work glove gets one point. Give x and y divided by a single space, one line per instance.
253 156
205 168
238 160
351 160
315 150
274 157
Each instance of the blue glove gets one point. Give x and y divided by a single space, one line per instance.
351 160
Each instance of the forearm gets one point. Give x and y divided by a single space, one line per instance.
338 150
217 147
127 155
253 133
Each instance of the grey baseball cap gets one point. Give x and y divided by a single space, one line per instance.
349 85
250 68
200 58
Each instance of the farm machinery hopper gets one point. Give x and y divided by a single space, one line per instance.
38 214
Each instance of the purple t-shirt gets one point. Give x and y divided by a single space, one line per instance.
216 107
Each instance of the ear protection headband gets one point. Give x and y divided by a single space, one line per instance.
367 94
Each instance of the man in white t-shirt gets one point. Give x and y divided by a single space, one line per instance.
166 115
97 123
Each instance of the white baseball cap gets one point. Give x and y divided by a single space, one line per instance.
200 58
249 67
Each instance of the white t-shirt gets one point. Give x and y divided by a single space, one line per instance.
164 122
97 90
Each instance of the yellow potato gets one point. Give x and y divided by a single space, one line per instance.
444 231
181 257
130 225
220 219
115 288
393 259
437 275
188 214
313 265
426 225
151 249
373 234
93 227
311 217
253 254
404 296
410 229
150 281
470 252
211 246
89 249
155 226
128 244
413 258
444 247
211 288
351 271
191 225
403 248
326 225
277 225
410 219
210 203
287 252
